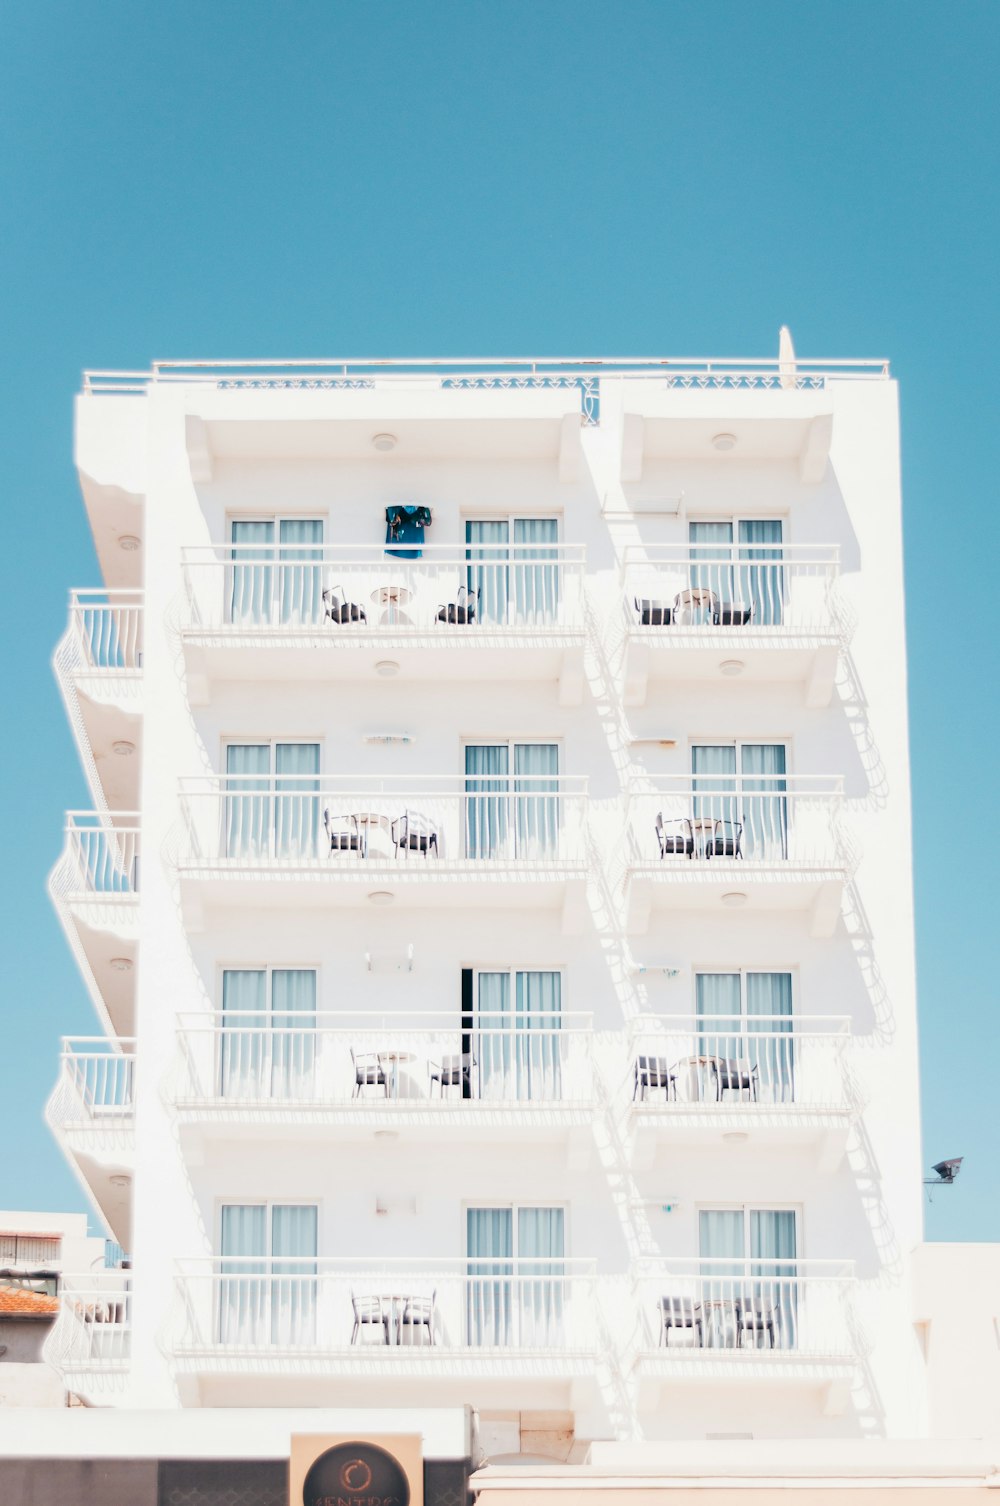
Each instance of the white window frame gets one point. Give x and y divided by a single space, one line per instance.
746 1209
269 1203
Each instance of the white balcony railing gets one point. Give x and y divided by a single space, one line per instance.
95 1085
248 822
717 1308
340 1059
253 593
101 856
105 631
93 1331
713 822
781 592
740 1061
322 1307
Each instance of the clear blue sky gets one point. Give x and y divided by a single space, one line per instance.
331 177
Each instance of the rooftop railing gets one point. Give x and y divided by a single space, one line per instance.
782 592
336 1059
315 1307
346 591
358 823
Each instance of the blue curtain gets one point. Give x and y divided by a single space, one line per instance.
721 1237
489 1245
494 1048
248 801
716 803
768 995
487 787
253 579
293 1274
300 555
711 548
538 1002
242 1284
536 585
536 782
296 785
486 553
761 584
765 815
773 1251
717 997
540 1251
293 1055
244 1022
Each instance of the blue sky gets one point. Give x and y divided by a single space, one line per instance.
439 177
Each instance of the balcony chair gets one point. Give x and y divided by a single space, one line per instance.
368 1073
754 1316
344 833
453 1072
682 1313
336 608
736 1076
726 840
653 613
732 614
369 1313
413 832
417 1312
462 611
676 838
651 1072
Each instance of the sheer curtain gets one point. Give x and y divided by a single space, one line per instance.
536 585
293 1023
296 785
773 1251
542 1275
769 1010
715 785
711 548
765 815
243 1043
486 552
536 774
248 801
252 572
538 1002
242 1283
762 584
300 555
293 1274
487 788
489 1245
717 997
494 1046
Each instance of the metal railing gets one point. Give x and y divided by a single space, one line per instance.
249 822
723 1062
96 1082
345 591
781 590
320 1306
94 1328
336 1059
713 1307
761 821
106 629
101 857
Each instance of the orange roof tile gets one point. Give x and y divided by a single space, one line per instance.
21 1301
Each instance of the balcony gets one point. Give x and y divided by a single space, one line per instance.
91 1112
339 612
749 1322
369 1329
98 665
515 842
770 1080
763 614
773 842
423 1076
95 890
91 1340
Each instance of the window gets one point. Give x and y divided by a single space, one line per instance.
516 1275
267 1284
740 801
277 569
272 800
732 560
515 1042
268 1043
745 1036
512 570
748 1283
512 805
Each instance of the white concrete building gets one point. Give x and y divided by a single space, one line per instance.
516 1010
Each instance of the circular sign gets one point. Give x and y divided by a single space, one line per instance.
356 1474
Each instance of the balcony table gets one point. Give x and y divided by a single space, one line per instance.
392 597
394 1057
369 821
694 604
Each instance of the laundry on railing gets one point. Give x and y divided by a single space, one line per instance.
404 529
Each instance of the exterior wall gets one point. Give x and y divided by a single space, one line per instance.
956 1308
866 1208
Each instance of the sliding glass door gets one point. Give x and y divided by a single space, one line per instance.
272 800
740 799
739 563
268 1049
512 804
745 1025
517 1044
516 1269
512 569
267 1280
276 571
748 1289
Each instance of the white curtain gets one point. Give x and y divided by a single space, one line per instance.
487 788
711 548
243 1064
538 1003
542 1276
293 1274
293 1022
773 1251
489 1245
494 1048
765 815
296 814
486 553
252 572
762 585
300 554
242 1282
717 998
248 802
536 782
536 584
716 801
769 1011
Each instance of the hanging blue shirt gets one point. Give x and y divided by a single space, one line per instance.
405 530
